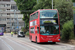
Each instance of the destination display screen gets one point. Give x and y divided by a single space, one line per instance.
48 21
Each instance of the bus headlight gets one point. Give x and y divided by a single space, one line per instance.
58 39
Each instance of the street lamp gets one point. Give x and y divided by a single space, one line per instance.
37 1
15 21
52 4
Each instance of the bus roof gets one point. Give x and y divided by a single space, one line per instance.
42 9
46 9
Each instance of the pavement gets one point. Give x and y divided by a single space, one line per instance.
14 43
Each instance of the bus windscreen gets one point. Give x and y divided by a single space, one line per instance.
48 14
49 30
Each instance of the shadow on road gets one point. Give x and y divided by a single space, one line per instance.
48 43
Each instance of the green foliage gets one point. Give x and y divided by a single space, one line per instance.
24 6
27 33
43 4
65 11
24 30
64 7
68 30
73 0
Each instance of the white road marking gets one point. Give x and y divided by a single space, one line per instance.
65 45
7 44
33 45
21 45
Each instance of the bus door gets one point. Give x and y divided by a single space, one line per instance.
37 32
32 33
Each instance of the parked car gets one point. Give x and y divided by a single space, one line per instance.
21 34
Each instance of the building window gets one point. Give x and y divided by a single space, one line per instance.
12 0
8 27
8 5
2 5
0 14
8 13
2 19
8 9
1 9
6 0
13 7
8 23
8 18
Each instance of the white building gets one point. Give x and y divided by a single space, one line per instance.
10 16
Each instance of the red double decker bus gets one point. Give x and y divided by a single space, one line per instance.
44 26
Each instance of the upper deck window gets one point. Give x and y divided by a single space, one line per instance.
34 16
48 14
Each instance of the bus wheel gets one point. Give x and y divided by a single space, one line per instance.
54 42
36 39
31 39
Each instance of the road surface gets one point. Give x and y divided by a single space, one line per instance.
14 43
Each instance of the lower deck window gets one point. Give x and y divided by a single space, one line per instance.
32 30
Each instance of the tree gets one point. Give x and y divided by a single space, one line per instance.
44 4
73 0
24 6
68 30
65 10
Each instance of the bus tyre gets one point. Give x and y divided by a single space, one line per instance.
36 39
18 36
54 42
31 39
23 36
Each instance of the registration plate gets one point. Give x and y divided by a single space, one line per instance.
49 41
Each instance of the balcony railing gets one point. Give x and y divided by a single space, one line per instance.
9 11
2 7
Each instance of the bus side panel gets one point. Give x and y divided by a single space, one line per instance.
52 38
38 38
38 22
31 35
1 30
1 33
37 34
